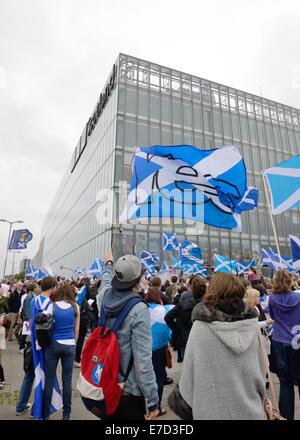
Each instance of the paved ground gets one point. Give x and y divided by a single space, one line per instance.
12 362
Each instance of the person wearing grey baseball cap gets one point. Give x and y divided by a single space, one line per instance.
118 287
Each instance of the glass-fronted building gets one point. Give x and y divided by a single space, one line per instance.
147 104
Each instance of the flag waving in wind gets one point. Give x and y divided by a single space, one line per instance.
170 243
31 272
284 185
190 253
295 250
224 264
19 239
208 186
149 261
95 268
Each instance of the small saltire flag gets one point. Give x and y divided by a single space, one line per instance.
224 264
284 185
182 181
281 263
95 268
19 239
295 251
243 266
148 261
271 259
41 305
170 243
79 270
195 269
289 263
176 264
164 267
31 272
42 273
190 253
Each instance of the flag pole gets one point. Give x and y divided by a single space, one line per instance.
270 212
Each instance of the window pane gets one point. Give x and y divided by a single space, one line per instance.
131 102
226 125
177 112
143 104
166 110
198 120
187 116
154 107
207 121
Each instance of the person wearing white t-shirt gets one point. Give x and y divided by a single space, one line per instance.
66 317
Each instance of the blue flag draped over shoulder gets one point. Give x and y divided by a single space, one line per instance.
39 305
284 185
207 186
161 333
19 239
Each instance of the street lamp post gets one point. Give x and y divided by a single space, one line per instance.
10 226
13 265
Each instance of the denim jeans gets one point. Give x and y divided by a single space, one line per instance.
159 365
54 353
25 391
287 367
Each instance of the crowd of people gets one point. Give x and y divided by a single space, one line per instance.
214 324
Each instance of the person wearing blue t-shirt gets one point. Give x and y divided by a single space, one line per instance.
66 316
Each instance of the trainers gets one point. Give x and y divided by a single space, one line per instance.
28 407
77 364
1 386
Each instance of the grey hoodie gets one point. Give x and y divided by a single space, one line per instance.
134 338
223 376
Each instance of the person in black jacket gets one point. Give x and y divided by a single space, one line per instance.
14 304
180 316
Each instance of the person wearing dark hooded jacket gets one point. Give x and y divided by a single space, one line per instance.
140 394
284 308
179 318
223 374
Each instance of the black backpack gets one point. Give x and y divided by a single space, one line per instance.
43 328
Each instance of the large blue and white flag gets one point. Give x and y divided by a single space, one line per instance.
278 259
165 267
284 185
40 305
19 239
31 272
95 269
190 253
79 270
170 243
206 186
289 263
295 251
148 261
224 264
161 333
271 259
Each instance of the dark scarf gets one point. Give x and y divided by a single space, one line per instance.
227 310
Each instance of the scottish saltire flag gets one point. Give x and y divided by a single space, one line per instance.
275 257
42 273
284 184
243 266
289 263
40 304
148 261
270 259
208 186
95 268
79 270
195 269
19 239
224 264
164 267
161 333
190 253
31 272
295 251
176 264
170 243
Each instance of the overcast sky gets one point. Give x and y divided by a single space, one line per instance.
56 55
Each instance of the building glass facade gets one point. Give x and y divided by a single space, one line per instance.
149 105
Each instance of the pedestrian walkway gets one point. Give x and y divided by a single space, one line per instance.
13 367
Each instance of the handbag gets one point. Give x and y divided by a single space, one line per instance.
271 409
168 355
179 406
